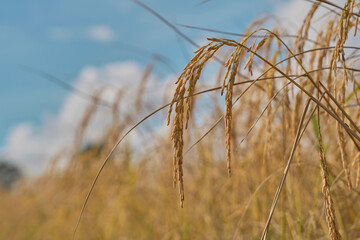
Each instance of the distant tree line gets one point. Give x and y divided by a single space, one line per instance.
9 175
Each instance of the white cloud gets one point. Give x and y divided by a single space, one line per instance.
293 13
33 147
101 33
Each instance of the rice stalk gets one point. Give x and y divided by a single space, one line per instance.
278 191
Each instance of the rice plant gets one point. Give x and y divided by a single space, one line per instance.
267 148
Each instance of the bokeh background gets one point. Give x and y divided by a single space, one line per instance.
84 43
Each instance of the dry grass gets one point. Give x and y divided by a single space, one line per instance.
267 119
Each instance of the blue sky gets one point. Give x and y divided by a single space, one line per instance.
63 37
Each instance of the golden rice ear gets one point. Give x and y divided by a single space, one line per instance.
339 54
228 65
249 61
228 104
178 142
186 84
329 204
343 31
